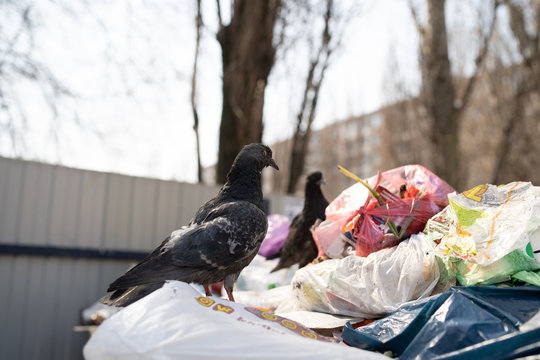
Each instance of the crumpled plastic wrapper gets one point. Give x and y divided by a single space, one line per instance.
488 233
487 222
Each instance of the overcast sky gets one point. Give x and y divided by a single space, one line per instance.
129 65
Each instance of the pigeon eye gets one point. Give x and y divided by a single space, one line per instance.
263 153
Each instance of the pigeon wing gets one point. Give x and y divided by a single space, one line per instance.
231 232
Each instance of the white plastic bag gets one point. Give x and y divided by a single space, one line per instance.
177 322
369 286
267 299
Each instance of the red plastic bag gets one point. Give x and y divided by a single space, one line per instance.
372 230
381 224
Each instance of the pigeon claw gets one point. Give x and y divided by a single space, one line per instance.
229 293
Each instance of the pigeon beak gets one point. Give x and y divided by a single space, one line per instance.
272 163
322 181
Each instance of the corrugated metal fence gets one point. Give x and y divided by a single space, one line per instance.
66 233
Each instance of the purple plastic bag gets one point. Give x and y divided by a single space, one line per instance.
278 228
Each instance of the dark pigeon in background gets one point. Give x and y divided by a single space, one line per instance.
222 238
299 247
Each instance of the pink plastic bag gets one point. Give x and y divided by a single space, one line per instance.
278 228
354 216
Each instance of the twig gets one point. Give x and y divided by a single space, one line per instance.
419 27
220 19
479 59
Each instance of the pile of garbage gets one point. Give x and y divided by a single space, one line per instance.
413 270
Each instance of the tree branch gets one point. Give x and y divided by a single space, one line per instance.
528 45
419 27
220 19
306 114
517 24
478 61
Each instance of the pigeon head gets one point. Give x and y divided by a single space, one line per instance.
257 155
315 178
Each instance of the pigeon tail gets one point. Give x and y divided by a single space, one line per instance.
127 296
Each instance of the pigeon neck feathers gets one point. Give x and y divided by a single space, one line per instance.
314 198
243 183
244 178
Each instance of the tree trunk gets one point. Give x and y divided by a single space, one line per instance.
248 54
516 158
198 25
308 108
439 94
443 105
298 156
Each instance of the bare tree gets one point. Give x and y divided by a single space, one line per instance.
22 61
517 154
198 26
441 96
320 56
248 52
304 119
17 62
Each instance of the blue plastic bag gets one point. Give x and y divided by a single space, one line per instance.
463 323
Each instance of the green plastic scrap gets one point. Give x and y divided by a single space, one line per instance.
466 216
469 274
530 277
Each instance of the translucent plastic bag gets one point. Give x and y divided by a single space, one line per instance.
369 286
257 276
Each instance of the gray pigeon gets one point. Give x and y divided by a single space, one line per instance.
222 238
